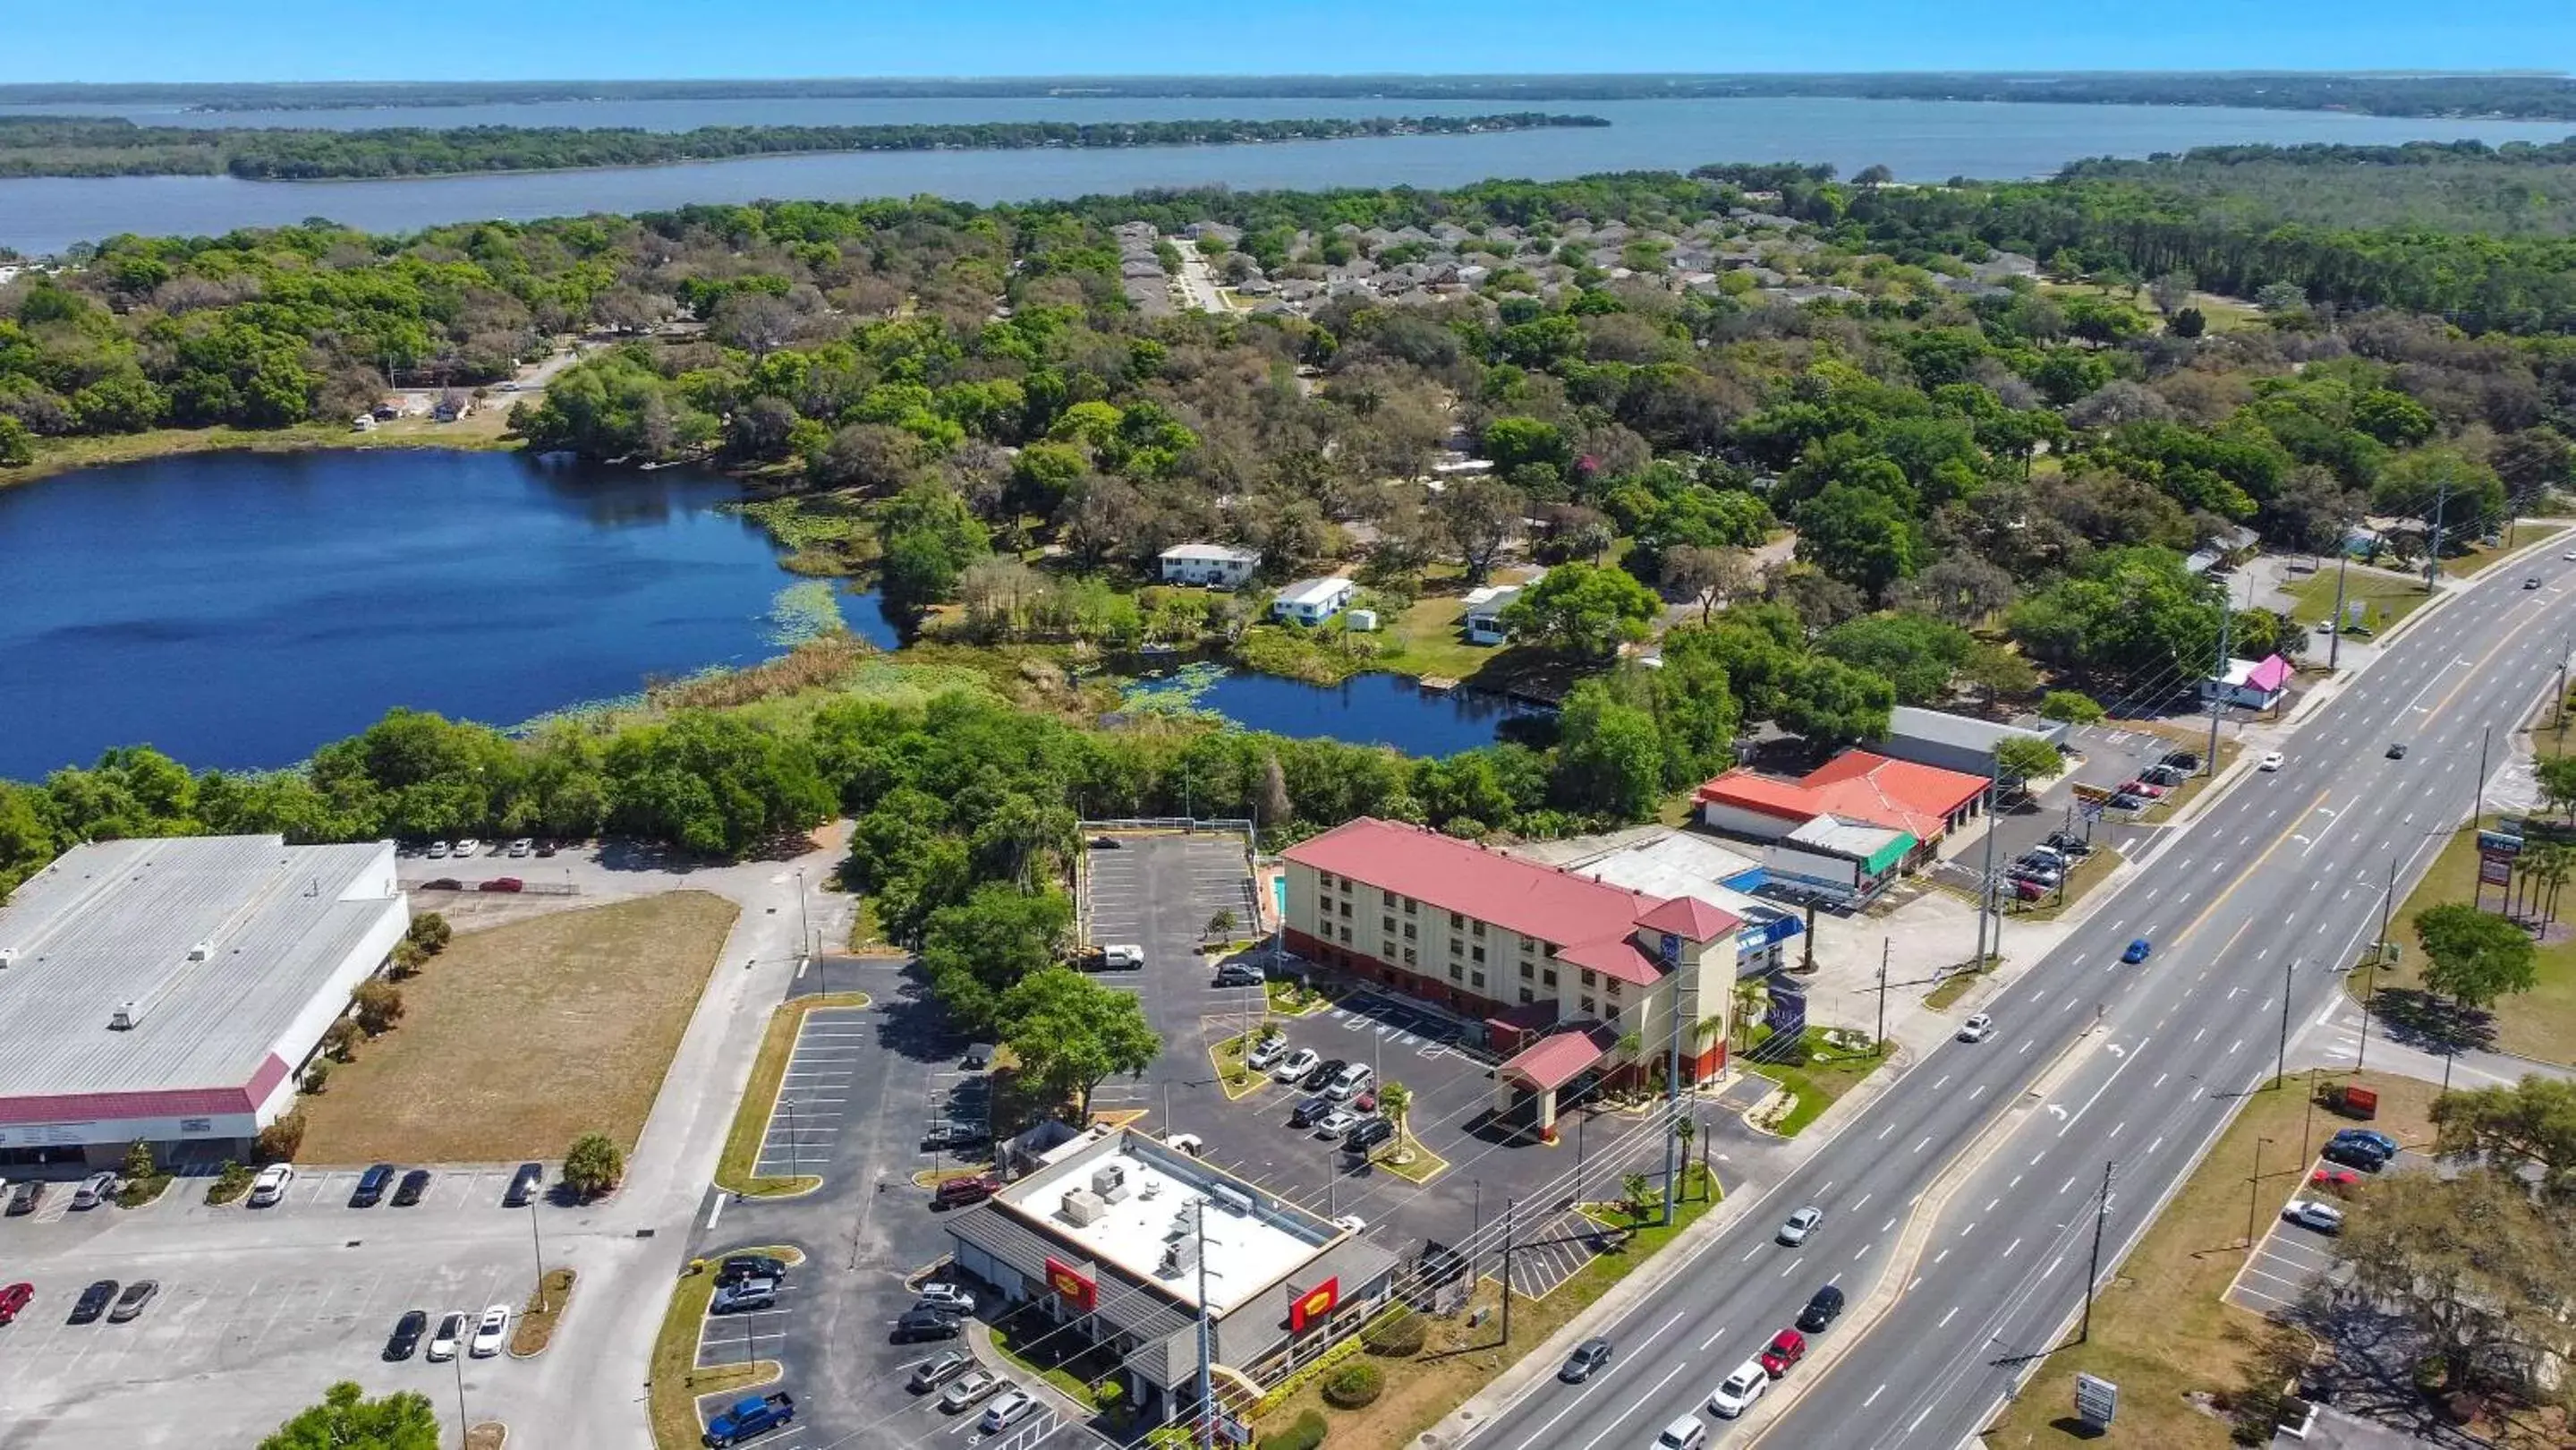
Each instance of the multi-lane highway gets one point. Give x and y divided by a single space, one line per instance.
1960 1206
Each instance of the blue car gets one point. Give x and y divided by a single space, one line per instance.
2137 951
2380 1143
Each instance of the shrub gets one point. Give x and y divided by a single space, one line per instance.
1321 1365
1354 1385
429 931
317 1075
279 1141
231 1183
1305 1434
340 1041
380 1006
1399 1335
406 960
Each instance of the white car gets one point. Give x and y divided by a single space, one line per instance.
1335 1123
1801 1224
451 1331
2271 761
468 847
270 1185
1737 1392
2325 1218
946 1298
437 849
1007 1411
492 1332
1266 1053
1977 1028
968 1390
1301 1062
523 846
1351 1223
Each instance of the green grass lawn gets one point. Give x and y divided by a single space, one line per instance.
2480 556
2540 1023
2385 600
1815 1085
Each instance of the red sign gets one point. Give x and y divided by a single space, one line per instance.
1072 1285
1315 1305
2495 870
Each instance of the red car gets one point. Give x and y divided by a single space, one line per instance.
502 883
960 1192
2148 789
2336 1178
1787 1348
13 1299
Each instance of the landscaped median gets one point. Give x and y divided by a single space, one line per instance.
1830 1062
2540 1023
1424 1375
538 1317
1233 1076
734 1171
678 1386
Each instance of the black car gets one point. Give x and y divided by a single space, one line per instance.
1588 1356
524 1185
2127 802
2397 751
1369 1133
1323 1073
2354 1153
406 1336
371 1186
924 1324
414 1184
545 848
2180 760
740 1267
25 1197
1237 974
977 1058
93 1302
1310 1111
2069 845
1823 1309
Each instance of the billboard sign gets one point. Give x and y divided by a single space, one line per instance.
2495 870
1315 1305
1072 1285
2499 843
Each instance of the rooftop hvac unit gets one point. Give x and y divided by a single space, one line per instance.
8 956
125 1018
1109 1180
1234 1199
1083 1208
201 951
1178 1258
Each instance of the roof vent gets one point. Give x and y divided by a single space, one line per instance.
201 951
8 956
125 1018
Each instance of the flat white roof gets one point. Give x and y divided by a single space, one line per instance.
1215 553
1166 1191
1314 591
1844 836
122 921
1679 863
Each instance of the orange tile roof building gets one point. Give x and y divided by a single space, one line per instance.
1924 801
1529 953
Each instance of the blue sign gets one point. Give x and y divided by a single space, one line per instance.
1788 1015
1672 949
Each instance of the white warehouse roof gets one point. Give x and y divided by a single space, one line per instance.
210 948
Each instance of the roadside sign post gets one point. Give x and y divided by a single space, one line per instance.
2097 1400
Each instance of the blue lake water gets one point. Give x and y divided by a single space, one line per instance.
1373 709
1919 140
240 609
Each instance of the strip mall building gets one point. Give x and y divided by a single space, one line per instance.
1558 968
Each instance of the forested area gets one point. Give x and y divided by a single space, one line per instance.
1992 481
2531 96
110 146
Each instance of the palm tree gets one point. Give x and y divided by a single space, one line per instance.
2548 866
1395 1100
1752 999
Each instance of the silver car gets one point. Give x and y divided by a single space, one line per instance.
968 1390
1801 1224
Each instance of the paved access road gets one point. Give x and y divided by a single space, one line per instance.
1960 1206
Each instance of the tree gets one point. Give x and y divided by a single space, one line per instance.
2188 323
1913 652
2478 1269
2071 707
1584 610
2533 1120
1276 808
2019 758
2472 956
1707 576
1220 927
1070 1033
1961 588
1751 1002
430 932
17 442
1831 704
593 1165
347 1420
1479 517
1395 1104
2169 291
1860 536
929 537
2557 778
1610 756
980 948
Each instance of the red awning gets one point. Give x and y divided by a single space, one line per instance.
1552 1062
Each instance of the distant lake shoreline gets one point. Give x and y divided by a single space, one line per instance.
1918 140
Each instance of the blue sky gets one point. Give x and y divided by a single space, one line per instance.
137 40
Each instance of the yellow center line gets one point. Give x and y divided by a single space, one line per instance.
2248 873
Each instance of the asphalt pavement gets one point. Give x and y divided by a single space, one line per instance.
1961 1204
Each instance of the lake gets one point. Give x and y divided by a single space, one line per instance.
240 609
1919 140
1371 709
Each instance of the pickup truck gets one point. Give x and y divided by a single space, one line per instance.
749 1416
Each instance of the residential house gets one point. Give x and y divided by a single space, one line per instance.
1312 601
1220 566
2250 684
1484 617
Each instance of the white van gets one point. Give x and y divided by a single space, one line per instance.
1350 1082
1686 1433
1122 958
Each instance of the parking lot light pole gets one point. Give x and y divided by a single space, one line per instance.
464 1430
804 928
2254 1191
537 1243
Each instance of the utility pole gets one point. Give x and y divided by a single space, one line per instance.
2563 653
1673 1097
538 1245
464 1432
1507 1271
2334 640
2218 700
2433 563
1883 944
1986 882
2281 1060
2254 1190
804 928
2093 1275
2478 806
1207 1385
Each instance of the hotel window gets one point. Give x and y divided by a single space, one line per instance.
1456 921
1590 1006
1346 936
1409 904
1551 951
1408 931
1457 947
1528 996
1475 979
1346 911
1480 952
1457 972
1408 958
1385 897
1324 879
1477 929
1588 978
1612 1016
1527 971
1548 976
1386 923
1615 984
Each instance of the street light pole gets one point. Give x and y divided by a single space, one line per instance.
1883 947
537 1244
464 1431
2254 1190
2281 1061
2334 637
2093 1275
804 927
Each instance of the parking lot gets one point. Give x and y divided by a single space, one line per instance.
814 1096
2290 1258
1159 892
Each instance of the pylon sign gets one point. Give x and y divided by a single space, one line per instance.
2096 1400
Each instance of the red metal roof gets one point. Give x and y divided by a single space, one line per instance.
1615 958
1898 794
151 1103
1552 1062
1554 906
1691 919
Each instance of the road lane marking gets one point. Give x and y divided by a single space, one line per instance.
1946 1318
1713 1338
2008 1248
